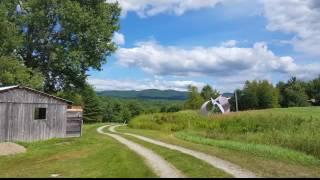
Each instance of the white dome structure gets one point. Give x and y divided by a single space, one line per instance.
221 102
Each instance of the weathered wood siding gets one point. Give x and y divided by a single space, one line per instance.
17 116
74 123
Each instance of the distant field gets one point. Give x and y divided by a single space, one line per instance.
291 134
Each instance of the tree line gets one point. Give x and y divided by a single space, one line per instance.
263 95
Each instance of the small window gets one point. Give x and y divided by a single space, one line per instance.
40 114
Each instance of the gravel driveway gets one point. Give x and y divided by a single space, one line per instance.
226 166
160 166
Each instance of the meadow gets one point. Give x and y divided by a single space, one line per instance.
289 134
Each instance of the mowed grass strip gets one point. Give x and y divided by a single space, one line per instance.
261 165
91 156
266 151
188 165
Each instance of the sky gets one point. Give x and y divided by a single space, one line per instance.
170 44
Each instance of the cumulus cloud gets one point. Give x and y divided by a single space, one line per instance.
145 8
109 84
119 39
222 63
160 60
298 17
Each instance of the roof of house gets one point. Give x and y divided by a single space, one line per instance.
8 88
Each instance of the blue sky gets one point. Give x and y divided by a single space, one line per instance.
169 44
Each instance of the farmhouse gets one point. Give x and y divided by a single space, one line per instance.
29 115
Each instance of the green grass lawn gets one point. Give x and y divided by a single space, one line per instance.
287 139
92 155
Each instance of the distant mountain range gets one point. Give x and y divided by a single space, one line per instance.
147 94
150 94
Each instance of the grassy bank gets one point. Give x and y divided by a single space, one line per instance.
92 155
263 166
294 129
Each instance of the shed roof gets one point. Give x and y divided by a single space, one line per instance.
8 88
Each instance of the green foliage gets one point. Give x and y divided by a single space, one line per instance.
72 95
88 99
153 94
92 111
194 100
171 108
62 54
13 72
293 93
257 95
123 110
9 36
313 90
207 92
293 128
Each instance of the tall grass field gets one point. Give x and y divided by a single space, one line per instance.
295 131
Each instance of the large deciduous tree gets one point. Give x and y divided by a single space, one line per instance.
257 95
313 90
66 38
207 92
13 72
12 69
293 93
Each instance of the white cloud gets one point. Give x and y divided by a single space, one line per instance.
298 17
230 43
145 8
160 60
109 84
222 64
119 39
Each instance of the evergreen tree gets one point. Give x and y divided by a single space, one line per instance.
92 110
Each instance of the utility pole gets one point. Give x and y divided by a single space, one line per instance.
236 97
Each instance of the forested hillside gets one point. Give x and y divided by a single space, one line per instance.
147 94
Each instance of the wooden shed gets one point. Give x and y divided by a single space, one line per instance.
29 115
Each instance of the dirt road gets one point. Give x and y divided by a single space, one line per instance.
160 166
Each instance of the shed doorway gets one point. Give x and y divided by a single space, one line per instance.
74 121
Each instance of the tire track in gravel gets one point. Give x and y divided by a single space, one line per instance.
226 166
160 166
